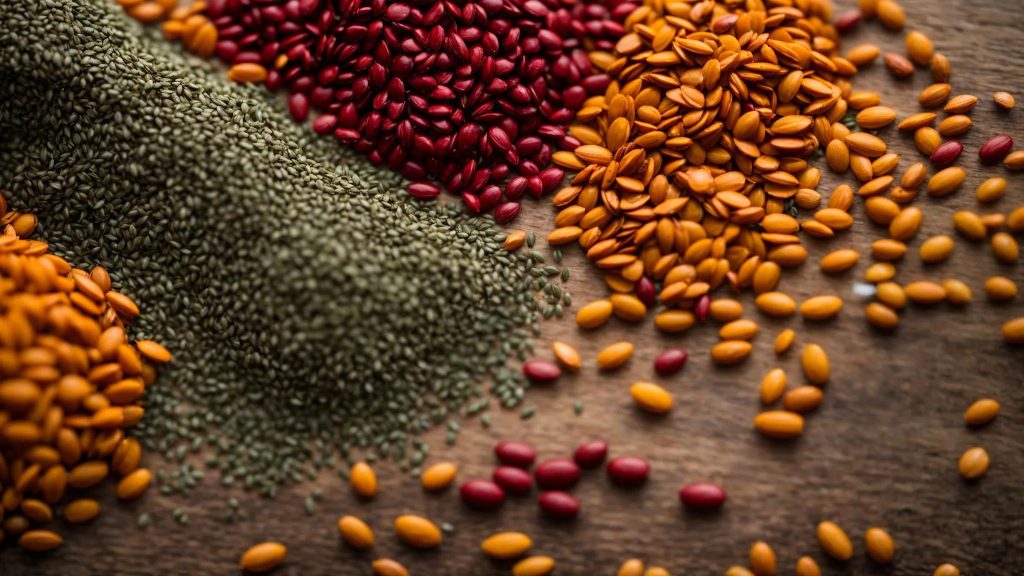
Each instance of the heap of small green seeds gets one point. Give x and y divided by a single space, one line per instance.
311 307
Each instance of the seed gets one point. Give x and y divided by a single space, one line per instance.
515 240
837 154
506 545
892 295
515 453
820 308
815 365
957 293
615 356
775 304
881 210
702 496
247 73
898 66
558 504
134 485
738 330
388 567
355 532
40 540
1004 100
1005 248
945 182
879 545
631 567
779 424
879 272
438 476
936 249
876 117
960 104
955 125
628 470
772 386
670 361
512 479
969 225
762 557
803 399
482 494
726 310
981 412
784 340
806 566
940 68
919 47
839 261
674 321
934 95
946 153
906 224
1015 221
541 371
925 292
594 315
946 569
973 463
534 566
730 352
417 531
915 122
654 398
995 149
591 454
881 316
656 571
891 14
927 140
834 541
1013 331
81 511
263 557
627 307
766 277
566 355
1014 160
866 144
1000 288
363 480
991 190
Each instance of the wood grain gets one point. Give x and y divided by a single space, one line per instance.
881 451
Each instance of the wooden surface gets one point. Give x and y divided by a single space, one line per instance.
881 451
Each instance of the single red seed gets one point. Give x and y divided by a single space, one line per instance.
947 153
557 474
515 453
702 496
703 306
645 290
506 212
591 454
628 470
847 21
512 479
558 504
995 149
723 24
423 190
541 371
298 107
670 361
482 494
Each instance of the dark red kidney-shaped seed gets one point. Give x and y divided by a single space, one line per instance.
947 153
557 474
515 453
423 190
702 496
558 504
628 470
995 149
670 361
506 212
514 480
591 454
482 494
646 291
700 310
847 21
541 371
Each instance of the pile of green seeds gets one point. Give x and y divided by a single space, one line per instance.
312 308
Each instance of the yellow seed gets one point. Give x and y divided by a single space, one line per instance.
775 304
627 307
981 412
892 295
134 485
969 225
36 510
247 72
973 463
891 14
879 272
615 355
934 95
438 476
363 480
839 260
863 54
726 309
957 293
802 399
566 355
925 292
821 307
881 210
40 540
936 249
834 541
263 557
991 190
914 176
738 330
866 144
417 531
87 474
779 424
946 569
506 545
388 567
1015 221
730 352
1014 160
916 123
834 218
1004 100
762 559
651 397
946 181
960 104
355 532
880 546
594 314
515 240
806 566
631 567
940 68
673 321
919 47
784 340
815 364
772 386
1000 288
656 571
534 566
766 277
906 224
875 117
881 316
738 571
81 511
1005 248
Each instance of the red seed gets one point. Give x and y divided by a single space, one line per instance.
558 504
995 149
947 153
423 190
557 474
702 496
591 454
298 107
515 453
482 494
541 371
700 310
670 361
645 291
628 470
847 21
513 480
506 212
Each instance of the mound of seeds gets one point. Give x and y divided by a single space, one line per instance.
311 305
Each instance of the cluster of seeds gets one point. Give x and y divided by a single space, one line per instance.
834 542
474 94
71 385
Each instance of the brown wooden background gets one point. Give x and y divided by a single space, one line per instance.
881 450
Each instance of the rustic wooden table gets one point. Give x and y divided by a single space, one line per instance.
881 450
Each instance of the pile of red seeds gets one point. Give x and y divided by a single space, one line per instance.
474 95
